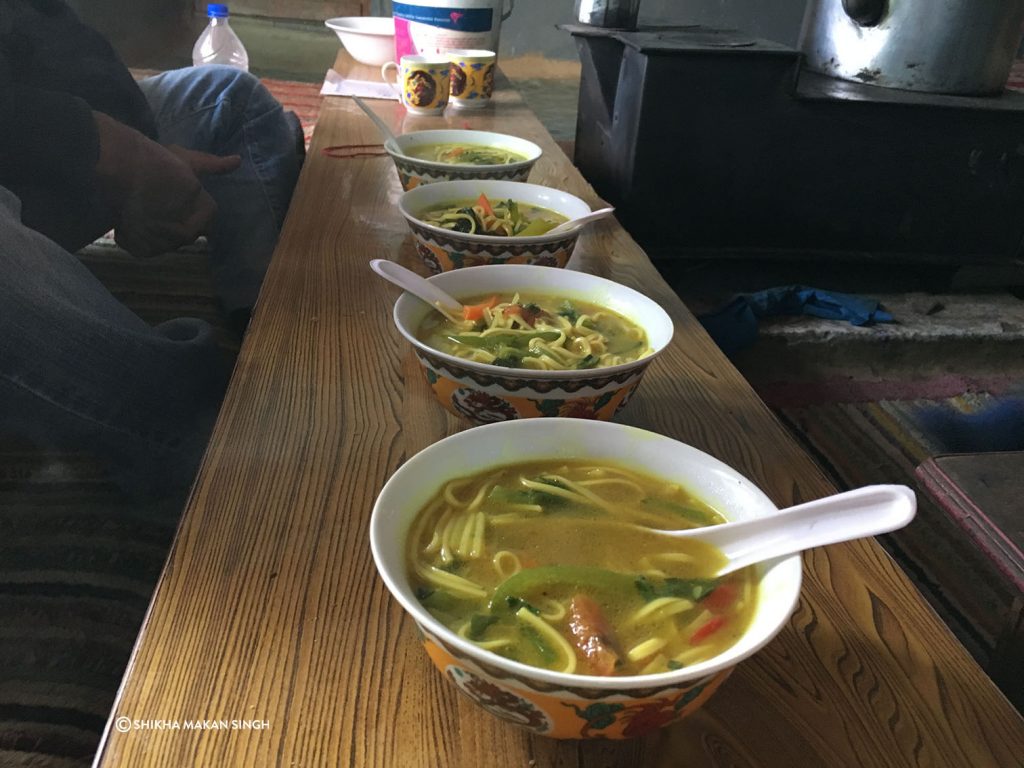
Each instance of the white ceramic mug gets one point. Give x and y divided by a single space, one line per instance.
422 82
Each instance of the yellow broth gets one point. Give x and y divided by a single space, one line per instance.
536 332
464 154
552 564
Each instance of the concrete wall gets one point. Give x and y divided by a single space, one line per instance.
146 30
140 29
531 28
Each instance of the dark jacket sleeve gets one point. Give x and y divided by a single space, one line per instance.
54 71
44 134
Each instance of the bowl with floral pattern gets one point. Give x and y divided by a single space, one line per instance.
552 703
484 393
426 157
443 249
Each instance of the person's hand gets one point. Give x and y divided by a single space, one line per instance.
154 190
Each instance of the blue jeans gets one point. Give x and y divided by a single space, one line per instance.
78 369
226 111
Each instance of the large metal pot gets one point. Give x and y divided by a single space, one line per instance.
940 46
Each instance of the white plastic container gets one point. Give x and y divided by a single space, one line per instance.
432 27
218 44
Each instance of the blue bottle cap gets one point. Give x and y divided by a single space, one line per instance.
217 11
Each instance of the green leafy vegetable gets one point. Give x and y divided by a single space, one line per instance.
515 603
478 624
547 653
510 360
585 578
590 361
690 589
568 311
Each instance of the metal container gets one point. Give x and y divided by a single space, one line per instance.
940 46
613 14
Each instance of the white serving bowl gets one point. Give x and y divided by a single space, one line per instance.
413 171
368 39
484 393
445 249
554 703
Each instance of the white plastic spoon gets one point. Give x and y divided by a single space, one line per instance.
854 514
572 224
417 286
386 132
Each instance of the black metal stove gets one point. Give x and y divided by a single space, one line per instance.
712 143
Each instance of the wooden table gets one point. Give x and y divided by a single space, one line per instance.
269 608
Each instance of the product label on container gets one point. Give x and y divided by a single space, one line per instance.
431 30
455 19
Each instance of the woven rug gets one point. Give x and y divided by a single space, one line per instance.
303 99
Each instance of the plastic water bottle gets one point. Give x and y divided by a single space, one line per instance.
219 44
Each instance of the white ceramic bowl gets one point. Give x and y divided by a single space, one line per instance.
484 393
413 171
553 703
445 249
368 39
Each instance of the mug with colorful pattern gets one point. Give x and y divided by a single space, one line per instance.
423 83
472 78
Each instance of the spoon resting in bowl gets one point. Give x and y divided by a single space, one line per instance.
854 514
579 221
418 286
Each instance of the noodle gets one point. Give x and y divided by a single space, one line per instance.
506 563
451 582
548 633
659 609
646 648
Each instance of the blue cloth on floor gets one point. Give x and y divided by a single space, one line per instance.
735 325
998 427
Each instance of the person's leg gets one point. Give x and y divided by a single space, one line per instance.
80 370
226 111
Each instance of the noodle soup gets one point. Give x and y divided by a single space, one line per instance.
504 218
536 332
552 565
464 154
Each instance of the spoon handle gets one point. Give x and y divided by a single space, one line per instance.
389 136
854 514
408 280
568 226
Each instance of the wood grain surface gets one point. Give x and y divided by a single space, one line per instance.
270 608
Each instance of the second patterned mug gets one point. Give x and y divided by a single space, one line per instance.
472 78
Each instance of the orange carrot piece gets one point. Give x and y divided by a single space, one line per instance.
484 203
594 638
712 626
476 311
721 598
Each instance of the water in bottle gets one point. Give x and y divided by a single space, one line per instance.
219 44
